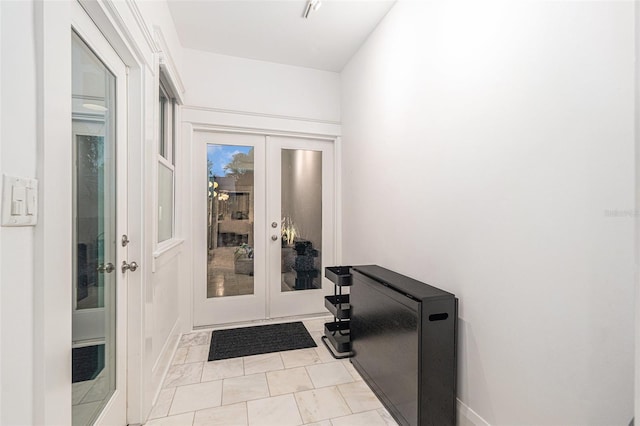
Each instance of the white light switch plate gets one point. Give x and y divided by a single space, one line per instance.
19 201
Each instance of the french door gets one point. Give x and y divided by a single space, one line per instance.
265 214
99 140
301 204
230 238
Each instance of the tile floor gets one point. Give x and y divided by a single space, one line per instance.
88 398
301 387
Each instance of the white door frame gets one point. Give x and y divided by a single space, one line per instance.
330 177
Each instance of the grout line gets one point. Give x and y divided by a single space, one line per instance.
202 373
344 400
298 407
222 397
266 376
173 395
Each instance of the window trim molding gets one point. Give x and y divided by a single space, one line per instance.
170 86
167 66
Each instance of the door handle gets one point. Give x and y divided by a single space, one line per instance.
108 268
129 266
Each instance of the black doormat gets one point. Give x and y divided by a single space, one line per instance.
86 363
261 339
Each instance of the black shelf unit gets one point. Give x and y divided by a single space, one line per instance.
337 333
338 305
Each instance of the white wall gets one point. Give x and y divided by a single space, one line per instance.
1 268
250 86
18 147
637 161
484 144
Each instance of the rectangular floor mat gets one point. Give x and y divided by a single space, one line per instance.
260 339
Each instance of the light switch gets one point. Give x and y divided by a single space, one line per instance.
32 201
18 196
19 201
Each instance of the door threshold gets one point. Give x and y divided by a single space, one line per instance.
280 320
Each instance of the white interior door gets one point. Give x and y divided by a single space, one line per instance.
250 191
99 84
301 205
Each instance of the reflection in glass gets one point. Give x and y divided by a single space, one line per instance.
230 220
301 219
93 317
89 227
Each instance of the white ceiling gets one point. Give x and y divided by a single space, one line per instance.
275 31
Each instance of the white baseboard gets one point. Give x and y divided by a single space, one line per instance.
469 415
163 363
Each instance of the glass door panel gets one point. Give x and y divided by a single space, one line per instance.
230 220
301 207
94 212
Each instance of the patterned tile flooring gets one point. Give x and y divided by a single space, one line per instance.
301 387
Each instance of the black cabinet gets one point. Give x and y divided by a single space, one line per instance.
403 337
